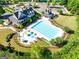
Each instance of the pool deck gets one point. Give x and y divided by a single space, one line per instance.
59 34
40 35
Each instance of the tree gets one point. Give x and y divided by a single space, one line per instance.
1 10
53 2
45 53
68 30
35 52
2 53
70 50
21 26
73 6
27 55
1 21
9 37
63 2
48 2
60 11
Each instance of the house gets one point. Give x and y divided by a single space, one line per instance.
5 16
20 17
14 20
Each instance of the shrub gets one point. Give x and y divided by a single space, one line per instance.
2 11
35 5
68 30
10 49
73 6
1 47
48 2
58 42
21 26
1 21
9 36
60 12
45 53
68 14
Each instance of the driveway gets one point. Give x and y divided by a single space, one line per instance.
43 7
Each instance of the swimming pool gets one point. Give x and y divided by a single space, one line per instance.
48 31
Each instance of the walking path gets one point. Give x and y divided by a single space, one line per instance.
8 28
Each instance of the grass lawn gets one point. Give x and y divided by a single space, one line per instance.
69 21
19 48
3 34
41 43
23 49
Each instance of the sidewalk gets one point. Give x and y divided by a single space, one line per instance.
8 28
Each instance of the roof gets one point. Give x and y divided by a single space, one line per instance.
20 15
29 12
24 14
5 16
14 20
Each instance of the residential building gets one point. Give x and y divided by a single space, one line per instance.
20 17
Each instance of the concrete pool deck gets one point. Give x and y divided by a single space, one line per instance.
38 34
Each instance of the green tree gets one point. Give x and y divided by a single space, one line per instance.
35 52
68 30
54 2
45 53
48 2
60 11
73 6
9 37
1 10
21 26
63 2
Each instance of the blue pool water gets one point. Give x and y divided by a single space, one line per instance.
45 29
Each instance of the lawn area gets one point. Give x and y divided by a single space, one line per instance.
3 34
19 48
26 49
69 21
41 43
